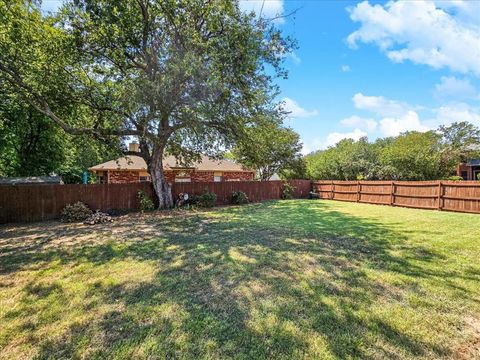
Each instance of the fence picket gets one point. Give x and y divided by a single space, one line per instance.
461 196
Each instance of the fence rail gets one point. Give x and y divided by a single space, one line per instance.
435 195
26 203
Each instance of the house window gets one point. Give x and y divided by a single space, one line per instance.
182 176
218 176
464 175
182 180
101 177
144 178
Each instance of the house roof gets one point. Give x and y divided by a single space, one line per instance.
473 162
134 162
42 180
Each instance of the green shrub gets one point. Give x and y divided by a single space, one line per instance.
455 178
76 212
287 190
193 199
207 199
239 198
146 204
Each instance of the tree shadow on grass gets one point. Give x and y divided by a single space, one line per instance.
278 280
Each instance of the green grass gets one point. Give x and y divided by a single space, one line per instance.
289 279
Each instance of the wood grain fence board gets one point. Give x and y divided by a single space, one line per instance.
26 203
461 196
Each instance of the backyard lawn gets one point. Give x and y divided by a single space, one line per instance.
285 279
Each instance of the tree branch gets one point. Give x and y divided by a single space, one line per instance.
42 106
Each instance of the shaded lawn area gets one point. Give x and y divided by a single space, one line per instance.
286 279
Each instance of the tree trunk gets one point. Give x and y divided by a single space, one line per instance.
160 184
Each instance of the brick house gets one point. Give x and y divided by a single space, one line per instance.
469 170
132 168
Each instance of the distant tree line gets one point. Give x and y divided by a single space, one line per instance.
410 156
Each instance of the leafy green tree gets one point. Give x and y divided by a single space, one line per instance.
269 149
183 77
460 141
32 145
409 156
296 170
346 160
414 156
82 152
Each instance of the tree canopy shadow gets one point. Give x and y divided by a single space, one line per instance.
274 280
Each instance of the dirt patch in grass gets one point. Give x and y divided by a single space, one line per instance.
470 349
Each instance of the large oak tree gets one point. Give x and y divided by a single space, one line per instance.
184 76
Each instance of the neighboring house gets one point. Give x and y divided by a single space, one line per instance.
469 170
132 168
31 180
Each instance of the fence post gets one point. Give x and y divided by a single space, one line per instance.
440 191
332 195
359 188
392 193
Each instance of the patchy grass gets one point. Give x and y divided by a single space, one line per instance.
289 279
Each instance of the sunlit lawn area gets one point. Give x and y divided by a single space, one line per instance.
289 279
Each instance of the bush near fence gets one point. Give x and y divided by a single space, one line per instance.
461 196
26 203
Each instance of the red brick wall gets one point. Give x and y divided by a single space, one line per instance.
242 176
169 176
195 176
463 167
201 176
122 177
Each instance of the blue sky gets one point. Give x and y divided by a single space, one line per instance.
376 68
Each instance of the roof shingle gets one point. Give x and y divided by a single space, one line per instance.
134 162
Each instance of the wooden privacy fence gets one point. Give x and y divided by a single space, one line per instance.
24 203
255 190
462 196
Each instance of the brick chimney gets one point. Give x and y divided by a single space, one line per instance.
133 147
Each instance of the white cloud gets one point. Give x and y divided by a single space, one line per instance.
313 145
448 114
397 116
294 57
295 110
345 68
422 31
380 105
452 87
355 121
266 8
335 137
465 10
407 122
